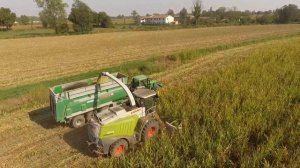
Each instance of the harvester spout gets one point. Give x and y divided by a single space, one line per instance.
130 96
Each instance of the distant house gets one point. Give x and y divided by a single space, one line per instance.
157 19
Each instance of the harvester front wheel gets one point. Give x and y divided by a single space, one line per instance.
78 121
150 130
118 148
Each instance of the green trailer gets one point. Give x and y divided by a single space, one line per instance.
75 102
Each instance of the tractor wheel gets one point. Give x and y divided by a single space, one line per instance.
78 121
150 130
118 148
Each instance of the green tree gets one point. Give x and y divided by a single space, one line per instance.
41 3
220 13
171 12
136 17
197 7
81 16
7 18
44 18
53 14
246 19
183 16
24 19
104 20
101 19
265 19
286 14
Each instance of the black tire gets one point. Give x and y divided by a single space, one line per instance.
118 148
150 130
78 121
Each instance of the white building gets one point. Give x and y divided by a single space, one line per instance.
157 19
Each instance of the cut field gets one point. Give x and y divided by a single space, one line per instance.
242 105
31 60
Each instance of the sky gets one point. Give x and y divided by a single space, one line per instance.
116 7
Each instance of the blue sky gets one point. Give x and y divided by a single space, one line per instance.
115 7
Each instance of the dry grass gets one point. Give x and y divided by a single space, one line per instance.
31 60
30 138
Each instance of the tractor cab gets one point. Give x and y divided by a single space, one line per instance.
146 98
142 81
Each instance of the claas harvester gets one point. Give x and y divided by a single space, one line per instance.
117 128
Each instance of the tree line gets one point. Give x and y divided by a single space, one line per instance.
84 19
224 15
286 14
7 18
53 15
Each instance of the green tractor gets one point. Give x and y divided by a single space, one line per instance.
116 129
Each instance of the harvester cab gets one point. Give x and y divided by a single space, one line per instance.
146 98
142 81
118 128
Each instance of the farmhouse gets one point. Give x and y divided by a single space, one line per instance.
157 19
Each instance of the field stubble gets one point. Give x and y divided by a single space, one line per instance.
31 60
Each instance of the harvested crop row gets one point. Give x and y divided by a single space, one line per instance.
33 139
31 60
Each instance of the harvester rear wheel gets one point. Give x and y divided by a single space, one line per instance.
118 148
150 130
78 121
